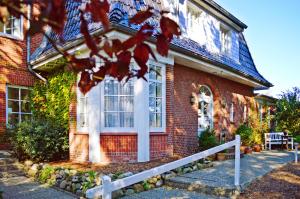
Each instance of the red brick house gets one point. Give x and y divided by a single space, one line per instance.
207 81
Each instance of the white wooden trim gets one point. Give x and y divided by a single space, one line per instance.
108 187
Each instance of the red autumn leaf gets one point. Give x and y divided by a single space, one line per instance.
123 64
144 33
169 27
89 40
78 65
129 43
142 71
162 45
99 11
116 45
100 74
85 83
108 49
141 54
141 16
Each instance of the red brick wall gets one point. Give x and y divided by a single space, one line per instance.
79 148
118 148
187 81
13 70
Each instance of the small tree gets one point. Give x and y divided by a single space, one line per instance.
288 111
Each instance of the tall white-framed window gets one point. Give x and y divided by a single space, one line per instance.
205 109
245 113
232 112
157 100
17 105
82 110
225 38
13 28
118 104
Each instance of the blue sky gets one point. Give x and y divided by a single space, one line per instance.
273 36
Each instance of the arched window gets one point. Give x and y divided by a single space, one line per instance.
205 109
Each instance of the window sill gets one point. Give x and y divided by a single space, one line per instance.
158 133
118 133
18 38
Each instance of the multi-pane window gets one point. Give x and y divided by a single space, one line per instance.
205 109
18 106
225 40
82 106
155 97
12 27
118 104
232 112
194 22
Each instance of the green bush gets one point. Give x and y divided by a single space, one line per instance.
46 174
246 134
207 140
297 139
41 140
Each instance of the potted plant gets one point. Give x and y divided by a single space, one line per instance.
221 156
245 132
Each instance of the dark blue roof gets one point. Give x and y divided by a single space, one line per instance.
120 12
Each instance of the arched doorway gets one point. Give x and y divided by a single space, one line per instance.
205 109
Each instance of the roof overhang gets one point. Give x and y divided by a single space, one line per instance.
177 55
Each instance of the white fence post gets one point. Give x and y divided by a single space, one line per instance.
106 180
296 152
237 160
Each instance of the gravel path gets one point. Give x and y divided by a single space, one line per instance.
222 175
282 183
168 193
24 188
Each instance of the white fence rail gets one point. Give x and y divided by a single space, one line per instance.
107 187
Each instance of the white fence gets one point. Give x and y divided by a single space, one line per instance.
107 187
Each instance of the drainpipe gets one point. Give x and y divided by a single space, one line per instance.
29 67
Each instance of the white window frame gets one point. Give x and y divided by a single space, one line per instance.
232 112
20 113
117 129
161 129
12 36
245 113
82 128
211 104
225 47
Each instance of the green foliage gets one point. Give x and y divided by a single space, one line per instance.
297 138
40 140
246 134
87 185
207 140
146 185
288 112
45 138
51 101
45 174
259 128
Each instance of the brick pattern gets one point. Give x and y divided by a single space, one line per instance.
13 70
79 148
116 148
187 81
158 146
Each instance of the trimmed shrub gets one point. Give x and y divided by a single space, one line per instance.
40 140
246 134
207 140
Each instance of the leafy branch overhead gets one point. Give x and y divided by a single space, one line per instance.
115 55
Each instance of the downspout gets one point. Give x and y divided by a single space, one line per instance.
28 46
